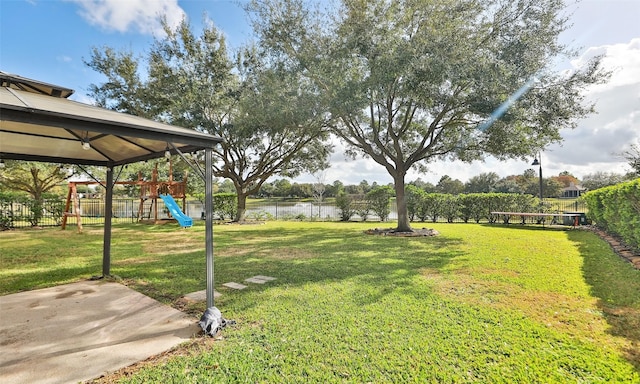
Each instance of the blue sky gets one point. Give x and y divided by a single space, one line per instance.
48 40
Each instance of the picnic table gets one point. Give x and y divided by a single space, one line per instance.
523 215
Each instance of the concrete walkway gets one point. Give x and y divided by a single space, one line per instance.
80 331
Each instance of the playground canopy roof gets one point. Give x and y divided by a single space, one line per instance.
39 123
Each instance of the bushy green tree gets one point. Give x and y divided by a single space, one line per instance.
35 179
597 180
450 207
344 202
449 185
484 182
266 112
225 205
379 198
508 185
432 206
473 206
361 206
414 200
408 82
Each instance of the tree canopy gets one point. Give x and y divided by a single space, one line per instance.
266 113
35 179
484 182
632 156
410 81
601 179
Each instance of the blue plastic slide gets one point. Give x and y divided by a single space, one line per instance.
176 212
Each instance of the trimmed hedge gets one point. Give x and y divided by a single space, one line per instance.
471 206
616 209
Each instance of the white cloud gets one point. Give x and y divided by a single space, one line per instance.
623 60
64 58
124 15
598 140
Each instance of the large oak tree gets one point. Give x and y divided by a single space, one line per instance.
34 178
268 116
408 82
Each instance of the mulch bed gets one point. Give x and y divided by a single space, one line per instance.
422 232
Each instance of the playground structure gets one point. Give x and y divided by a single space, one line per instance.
150 192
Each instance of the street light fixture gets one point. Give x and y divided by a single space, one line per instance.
539 163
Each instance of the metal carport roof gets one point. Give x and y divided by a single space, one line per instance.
39 123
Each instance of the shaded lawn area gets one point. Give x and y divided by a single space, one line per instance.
477 304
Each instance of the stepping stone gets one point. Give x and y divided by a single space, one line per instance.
259 279
255 280
265 278
233 285
201 295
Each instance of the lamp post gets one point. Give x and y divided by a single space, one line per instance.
539 163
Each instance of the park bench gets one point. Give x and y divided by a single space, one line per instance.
575 216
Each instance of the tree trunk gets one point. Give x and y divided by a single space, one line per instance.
404 225
38 200
242 207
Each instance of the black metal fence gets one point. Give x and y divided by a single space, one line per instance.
568 205
15 214
20 215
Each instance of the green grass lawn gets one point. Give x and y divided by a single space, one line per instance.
477 304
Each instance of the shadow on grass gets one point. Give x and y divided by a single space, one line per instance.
30 280
616 284
296 257
528 227
159 261
328 254
45 258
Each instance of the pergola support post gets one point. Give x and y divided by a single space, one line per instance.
208 211
108 207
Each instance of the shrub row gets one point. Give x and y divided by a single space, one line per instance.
467 207
423 206
616 209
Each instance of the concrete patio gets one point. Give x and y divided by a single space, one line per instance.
76 332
